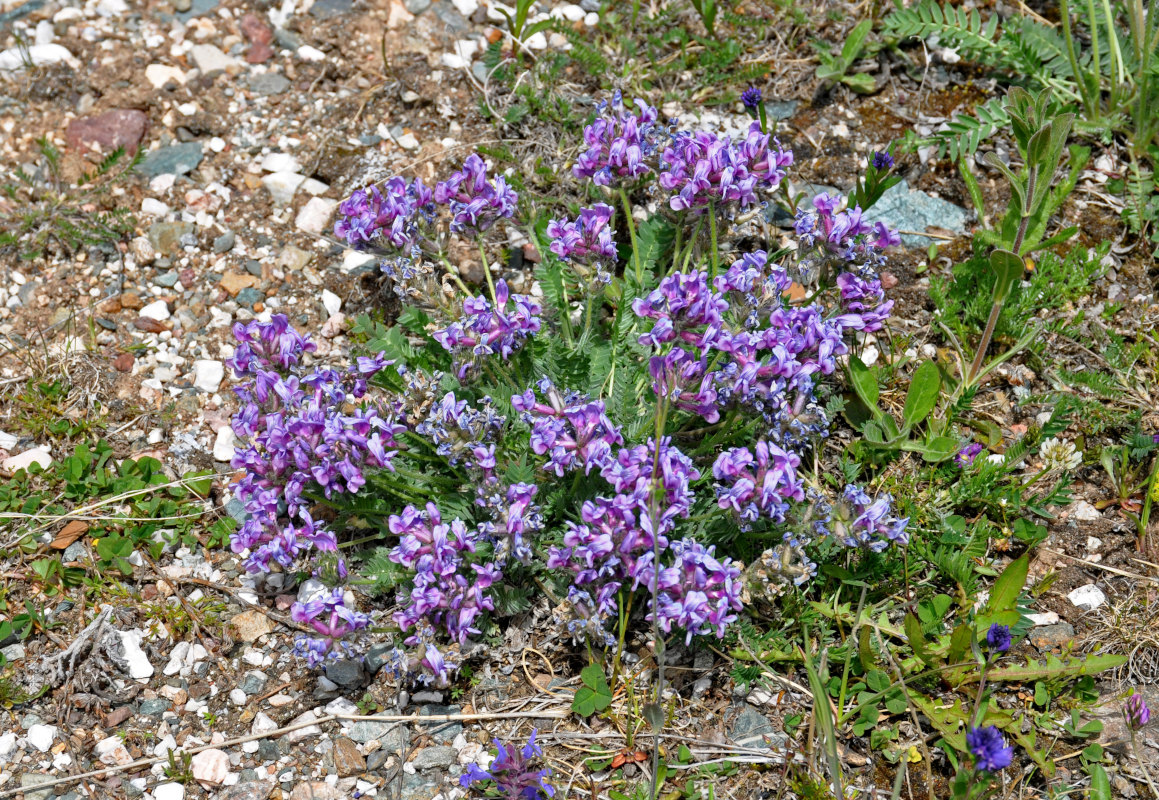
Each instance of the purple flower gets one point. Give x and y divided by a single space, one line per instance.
702 169
758 486
751 97
698 593
587 240
1138 714
620 144
389 218
988 746
475 203
968 454
328 615
860 521
998 638
572 431
882 160
484 330
514 772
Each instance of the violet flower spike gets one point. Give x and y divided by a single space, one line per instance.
989 748
1137 711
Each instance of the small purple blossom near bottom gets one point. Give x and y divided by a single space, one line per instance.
998 638
989 748
1137 711
967 455
514 772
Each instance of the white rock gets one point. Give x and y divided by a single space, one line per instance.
283 185
223 445
460 56
39 55
331 302
1088 597
408 141
280 162
45 34
340 705
112 751
41 736
210 766
217 144
1094 543
1085 512
870 355
7 744
307 731
353 259
237 697
210 60
112 8
160 74
466 7
163 747
570 12
208 374
592 19
183 657
37 455
139 666
262 725
157 310
314 187
1038 620
315 215
154 207
308 53
536 41
169 791
7 441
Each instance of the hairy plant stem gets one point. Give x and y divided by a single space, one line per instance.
631 223
996 308
712 234
487 275
1080 77
453 271
658 640
1142 763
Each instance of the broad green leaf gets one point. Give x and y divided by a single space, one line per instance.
863 381
855 41
917 640
1008 268
860 82
1004 595
939 448
922 395
1100 784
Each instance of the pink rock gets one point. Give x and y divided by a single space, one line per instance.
255 30
121 127
259 53
210 766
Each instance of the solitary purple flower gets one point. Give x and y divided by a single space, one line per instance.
882 160
989 748
513 771
968 454
751 97
1138 714
998 638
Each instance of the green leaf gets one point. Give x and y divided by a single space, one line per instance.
594 695
1004 594
1100 784
939 448
199 482
917 640
1008 268
922 395
860 82
855 41
863 382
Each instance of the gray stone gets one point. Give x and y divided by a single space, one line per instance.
26 292
326 9
21 11
250 790
254 267
166 236
155 707
247 776
418 787
197 8
13 652
225 242
450 16
435 758
75 552
1052 637
31 779
378 657
268 751
393 736
346 672
248 296
903 208
377 760
236 509
166 279
176 159
441 732
751 729
780 109
417 7
268 83
287 40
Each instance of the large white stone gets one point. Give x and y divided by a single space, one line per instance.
210 766
315 215
160 74
210 59
41 736
1088 597
263 725
280 162
466 7
223 445
169 791
208 374
283 185
39 55
139 666
112 751
37 455
331 302
158 310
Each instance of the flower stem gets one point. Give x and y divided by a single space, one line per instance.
631 223
712 234
487 275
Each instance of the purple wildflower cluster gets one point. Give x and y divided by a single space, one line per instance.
571 430
989 748
475 202
703 169
586 241
1137 711
613 549
328 615
620 144
860 521
760 485
513 772
389 218
837 239
485 329
998 638
751 97
306 433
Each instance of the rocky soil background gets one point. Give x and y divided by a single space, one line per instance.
254 121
